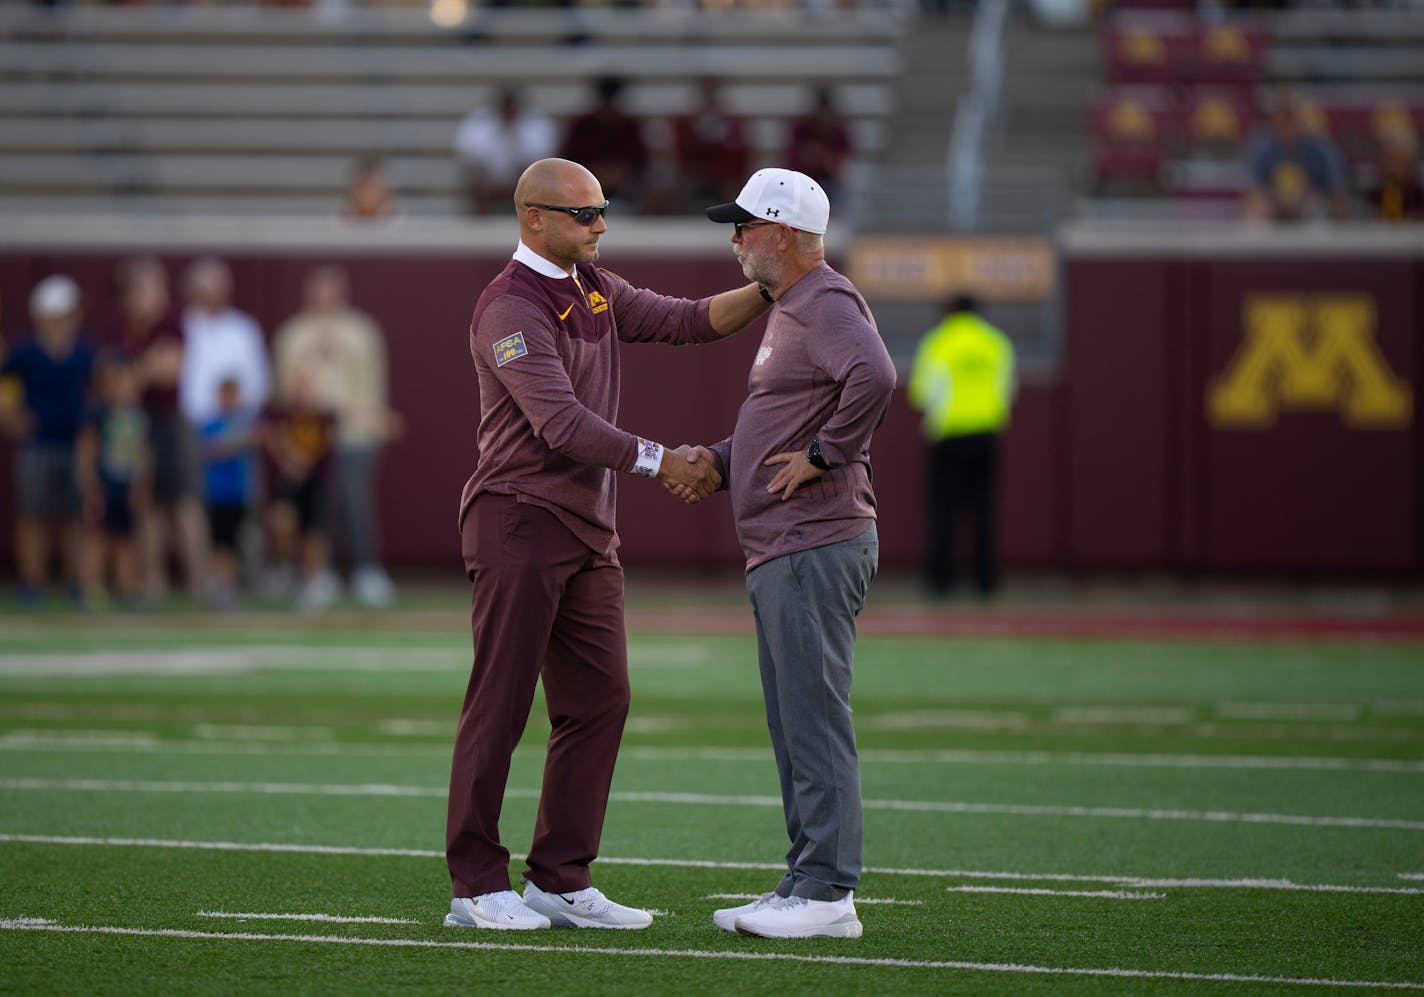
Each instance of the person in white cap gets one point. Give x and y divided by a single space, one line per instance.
52 371
798 468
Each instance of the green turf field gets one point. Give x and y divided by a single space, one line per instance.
193 809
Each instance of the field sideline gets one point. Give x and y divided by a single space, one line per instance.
192 806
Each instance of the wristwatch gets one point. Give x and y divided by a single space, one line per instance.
765 294
813 455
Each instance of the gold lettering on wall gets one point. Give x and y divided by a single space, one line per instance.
1308 353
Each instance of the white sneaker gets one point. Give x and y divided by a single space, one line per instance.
797 917
373 587
503 910
319 592
587 908
726 918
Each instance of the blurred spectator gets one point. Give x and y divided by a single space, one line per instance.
711 150
219 342
52 370
339 354
114 472
820 144
494 145
298 438
173 518
963 381
609 141
1397 195
368 192
229 446
1295 174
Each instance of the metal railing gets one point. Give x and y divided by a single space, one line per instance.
974 115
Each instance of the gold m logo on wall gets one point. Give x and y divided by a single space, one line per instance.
1308 353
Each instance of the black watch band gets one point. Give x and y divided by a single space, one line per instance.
765 294
813 456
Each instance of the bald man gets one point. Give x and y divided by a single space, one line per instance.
540 547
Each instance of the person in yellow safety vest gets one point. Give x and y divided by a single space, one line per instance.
963 381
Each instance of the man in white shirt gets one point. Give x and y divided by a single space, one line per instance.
338 355
219 342
495 144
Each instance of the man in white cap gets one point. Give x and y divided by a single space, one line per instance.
798 469
52 372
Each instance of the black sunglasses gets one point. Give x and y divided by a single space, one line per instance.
584 216
740 227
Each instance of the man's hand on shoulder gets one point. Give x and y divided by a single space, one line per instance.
689 473
797 470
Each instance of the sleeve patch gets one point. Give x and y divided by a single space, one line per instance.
509 348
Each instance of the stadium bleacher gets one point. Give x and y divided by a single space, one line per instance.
241 109
1180 93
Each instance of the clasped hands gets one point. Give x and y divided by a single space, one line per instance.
689 473
695 476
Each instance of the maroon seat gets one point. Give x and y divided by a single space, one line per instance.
1230 53
1147 48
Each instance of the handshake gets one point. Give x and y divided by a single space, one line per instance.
689 473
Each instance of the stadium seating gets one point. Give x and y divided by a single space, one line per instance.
264 109
1180 94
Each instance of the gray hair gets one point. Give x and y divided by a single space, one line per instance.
809 243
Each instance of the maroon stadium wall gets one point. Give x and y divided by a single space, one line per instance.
1244 406
1139 453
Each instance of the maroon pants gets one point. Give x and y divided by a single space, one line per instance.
542 604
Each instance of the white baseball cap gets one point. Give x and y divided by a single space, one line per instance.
776 195
55 295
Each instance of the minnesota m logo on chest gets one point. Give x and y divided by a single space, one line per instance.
1308 352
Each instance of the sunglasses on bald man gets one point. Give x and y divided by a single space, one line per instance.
584 216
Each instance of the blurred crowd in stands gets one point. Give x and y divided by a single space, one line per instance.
1187 111
156 444
646 167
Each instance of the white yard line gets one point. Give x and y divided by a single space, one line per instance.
24 740
858 900
1039 758
709 799
323 918
144 742
1025 891
428 853
37 924
1411 875
1333 712
231 661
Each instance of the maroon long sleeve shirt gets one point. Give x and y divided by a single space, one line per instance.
822 372
546 355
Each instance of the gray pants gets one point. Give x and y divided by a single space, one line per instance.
805 606
356 470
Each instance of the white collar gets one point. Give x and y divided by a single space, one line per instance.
537 263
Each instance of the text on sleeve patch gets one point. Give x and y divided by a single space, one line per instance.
509 348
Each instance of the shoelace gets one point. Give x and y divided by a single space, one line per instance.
506 904
788 903
591 899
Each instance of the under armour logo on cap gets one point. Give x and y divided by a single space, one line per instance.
792 198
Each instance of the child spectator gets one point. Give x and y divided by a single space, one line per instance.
1397 194
299 439
115 472
229 444
368 192
52 371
